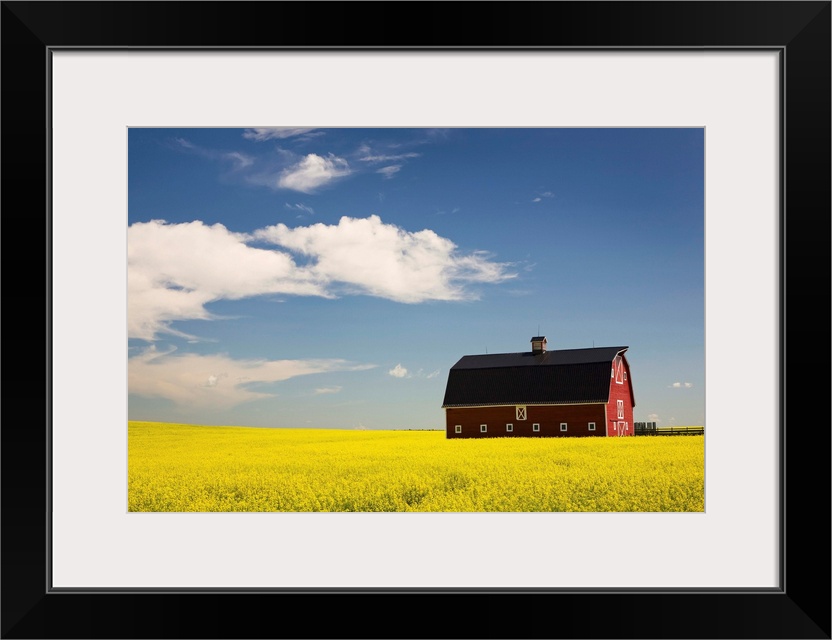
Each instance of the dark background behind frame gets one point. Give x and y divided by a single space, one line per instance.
801 609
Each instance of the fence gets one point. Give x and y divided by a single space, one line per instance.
650 429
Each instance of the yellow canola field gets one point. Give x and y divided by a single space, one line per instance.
177 467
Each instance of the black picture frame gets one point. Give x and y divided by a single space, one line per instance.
799 608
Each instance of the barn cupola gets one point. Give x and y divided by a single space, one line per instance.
538 344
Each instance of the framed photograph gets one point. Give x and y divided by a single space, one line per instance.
88 86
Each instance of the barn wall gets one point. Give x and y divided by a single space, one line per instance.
549 417
620 392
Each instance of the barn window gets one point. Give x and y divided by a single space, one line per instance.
483 428
535 427
620 409
591 426
509 427
625 376
458 428
563 426
520 413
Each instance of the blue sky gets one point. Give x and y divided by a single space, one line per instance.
329 278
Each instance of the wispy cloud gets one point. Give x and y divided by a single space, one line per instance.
681 385
312 172
366 155
393 161
326 390
542 195
182 142
261 134
433 374
175 270
389 172
281 168
217 381
238 159
299 206
436 134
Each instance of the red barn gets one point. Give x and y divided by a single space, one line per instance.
540 393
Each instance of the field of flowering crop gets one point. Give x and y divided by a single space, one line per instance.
177 467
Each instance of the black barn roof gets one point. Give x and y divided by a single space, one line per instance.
566 376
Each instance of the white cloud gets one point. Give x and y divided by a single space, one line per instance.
398 371
260 134
653 417
433 374
371 257
681 385
312 172
216 381
389 172
175 270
